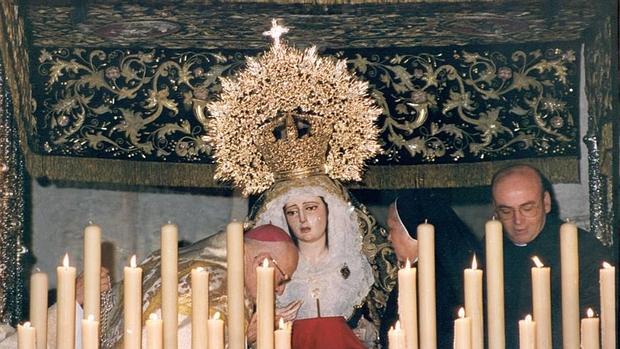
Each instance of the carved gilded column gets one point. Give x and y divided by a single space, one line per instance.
12 247
600 66
14 103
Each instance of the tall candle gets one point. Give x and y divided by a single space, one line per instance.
283 336
607 277
200 307
90 333
495 283
407 304
132 305
527 333
265 305
236 302
65 305
396 337
26 336
590 331
569 256
154 335
426 283
541 304
462 331
473 304
216 332
38 307
169 283
92 270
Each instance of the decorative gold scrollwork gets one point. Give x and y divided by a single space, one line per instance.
127 104
443 106
473 105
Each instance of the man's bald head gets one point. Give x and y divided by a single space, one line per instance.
521 169
274 244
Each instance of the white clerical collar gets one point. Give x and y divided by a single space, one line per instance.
519 245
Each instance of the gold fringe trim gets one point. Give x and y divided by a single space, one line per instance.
125 172
557 170
347 2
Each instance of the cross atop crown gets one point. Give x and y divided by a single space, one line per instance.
275 32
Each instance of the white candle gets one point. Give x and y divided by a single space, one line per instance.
154 335
462 331
407 305
169 284
236 302
265 305
541 304
473 304
65 305
26 336
200 307
92 270
283 336
607 277
38 307
90 333
396 337
495 283
590 331
569 255
132 305
527 333
426 283
216 332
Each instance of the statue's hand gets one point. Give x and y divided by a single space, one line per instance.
288 312
104 285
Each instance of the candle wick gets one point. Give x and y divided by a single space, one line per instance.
318 307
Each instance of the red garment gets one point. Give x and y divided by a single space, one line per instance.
324 333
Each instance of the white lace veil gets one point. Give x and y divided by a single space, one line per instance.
339 295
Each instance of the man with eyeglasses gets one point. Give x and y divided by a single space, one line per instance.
523 204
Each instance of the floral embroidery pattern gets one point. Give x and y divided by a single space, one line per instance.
439 106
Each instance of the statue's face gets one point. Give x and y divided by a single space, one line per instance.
307 218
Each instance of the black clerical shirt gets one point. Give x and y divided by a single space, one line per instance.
518 281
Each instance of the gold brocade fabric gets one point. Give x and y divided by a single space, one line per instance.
209 253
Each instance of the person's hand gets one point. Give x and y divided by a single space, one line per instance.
288 312
104 285
366 332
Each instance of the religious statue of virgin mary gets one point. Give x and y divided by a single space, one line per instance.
292 127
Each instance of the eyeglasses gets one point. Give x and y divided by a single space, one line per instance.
285 276
528 210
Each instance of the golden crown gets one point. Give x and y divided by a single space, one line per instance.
291 113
